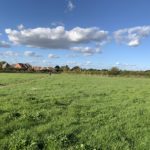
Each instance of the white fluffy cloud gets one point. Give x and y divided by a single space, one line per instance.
20 27
52 56
134 42
58 37
132 36
31 54
87 41
87 51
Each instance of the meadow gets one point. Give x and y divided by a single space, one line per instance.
74 112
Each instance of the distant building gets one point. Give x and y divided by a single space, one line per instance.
36 68
22 66
28 65
44 68
19 66
6 66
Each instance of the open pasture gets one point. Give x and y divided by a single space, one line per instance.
74 112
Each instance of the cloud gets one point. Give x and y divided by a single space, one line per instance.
72 63
125 64
9 54
70 5
31 54
4 44
76 39
86 51
57 23
58 37
117 63
87 63
84 64
20 27
132 36
52 56
72 55
134 42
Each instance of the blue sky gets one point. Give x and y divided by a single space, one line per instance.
88 33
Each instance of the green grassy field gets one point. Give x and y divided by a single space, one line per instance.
74 112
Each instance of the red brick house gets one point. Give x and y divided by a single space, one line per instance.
22 66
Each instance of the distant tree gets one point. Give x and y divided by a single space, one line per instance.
65 68
104 70
1 66
76 69
58 69
114 71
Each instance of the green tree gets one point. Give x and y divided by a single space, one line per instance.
114 71
58 69
76 69
65 68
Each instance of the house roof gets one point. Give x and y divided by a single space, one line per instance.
24 65
5 65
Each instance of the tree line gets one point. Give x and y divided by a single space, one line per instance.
114 71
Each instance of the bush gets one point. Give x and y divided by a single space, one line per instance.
114 71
